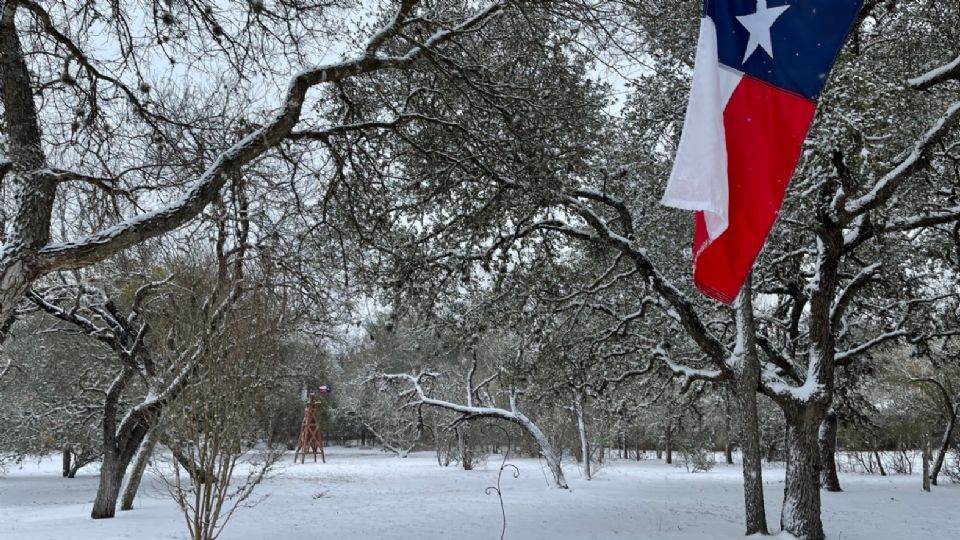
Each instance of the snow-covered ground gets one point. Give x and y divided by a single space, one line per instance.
367 495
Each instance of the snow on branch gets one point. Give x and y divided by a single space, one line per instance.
680 306
887 185
946 72
420 397
6 369
807 392
947 215
780 360
861 280
686 374
206 188
847 356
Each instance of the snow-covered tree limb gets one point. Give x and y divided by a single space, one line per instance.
513 414
946 72
888 184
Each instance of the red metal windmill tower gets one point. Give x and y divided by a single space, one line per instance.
310 438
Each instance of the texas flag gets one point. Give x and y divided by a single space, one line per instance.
760 66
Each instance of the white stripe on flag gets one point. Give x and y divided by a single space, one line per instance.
699 177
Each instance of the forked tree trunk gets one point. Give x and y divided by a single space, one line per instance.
800 515
952 411
827 440
120 444
116 460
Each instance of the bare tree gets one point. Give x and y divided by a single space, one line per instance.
417 396
951 410
50 44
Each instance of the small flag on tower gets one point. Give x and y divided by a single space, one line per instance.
760 67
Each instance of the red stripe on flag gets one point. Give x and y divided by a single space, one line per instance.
765 128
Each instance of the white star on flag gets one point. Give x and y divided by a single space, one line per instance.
758 24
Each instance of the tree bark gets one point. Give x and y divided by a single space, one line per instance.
29 226
952 412
111 477
827 441
139 466
748 380
120 444
728 434
67 460
463 446
879 463
668 443
582 432
546 449
926 467
800 515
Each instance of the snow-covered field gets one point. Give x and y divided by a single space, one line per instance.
367 495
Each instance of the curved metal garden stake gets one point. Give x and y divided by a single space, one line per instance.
496 488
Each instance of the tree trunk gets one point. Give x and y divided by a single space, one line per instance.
755 512
549 454
582 432
659 452
827 441
195 470
463 446
29 227
926 466
111 477
139 466
944 443
800 515
67 459
728 433
119 446
748 380
72 473
668 443
879 463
